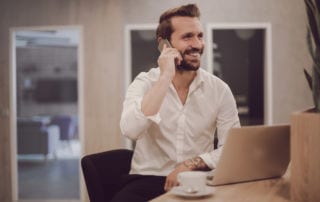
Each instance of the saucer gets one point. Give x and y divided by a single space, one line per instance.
180 192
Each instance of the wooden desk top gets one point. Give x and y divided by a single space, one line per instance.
275 190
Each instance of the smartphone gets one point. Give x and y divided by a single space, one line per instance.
161 44
160 48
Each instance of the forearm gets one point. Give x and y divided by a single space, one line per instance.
133 122
153 99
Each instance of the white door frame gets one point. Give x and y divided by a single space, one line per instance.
268 105
13 99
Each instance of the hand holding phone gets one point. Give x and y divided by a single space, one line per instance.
168 44
161 44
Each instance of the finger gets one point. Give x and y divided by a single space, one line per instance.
165 46
166 185
170 49
169 186
174 183
178 59
179 56
167 51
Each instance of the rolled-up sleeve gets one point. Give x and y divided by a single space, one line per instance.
227 118
133 122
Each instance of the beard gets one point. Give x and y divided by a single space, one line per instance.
190 65
187 66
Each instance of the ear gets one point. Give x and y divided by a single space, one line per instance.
159 39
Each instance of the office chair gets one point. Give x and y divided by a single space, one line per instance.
102 173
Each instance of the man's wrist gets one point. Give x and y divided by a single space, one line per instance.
196 163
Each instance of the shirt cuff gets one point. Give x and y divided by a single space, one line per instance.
207 159
211 158
155 118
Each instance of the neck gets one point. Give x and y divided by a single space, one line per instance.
183 79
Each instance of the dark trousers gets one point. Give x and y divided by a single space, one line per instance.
139 188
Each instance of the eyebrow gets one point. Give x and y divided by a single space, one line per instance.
188 34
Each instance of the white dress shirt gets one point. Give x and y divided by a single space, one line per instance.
178 132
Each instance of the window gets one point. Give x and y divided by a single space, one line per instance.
240 55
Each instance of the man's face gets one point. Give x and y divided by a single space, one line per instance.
187 37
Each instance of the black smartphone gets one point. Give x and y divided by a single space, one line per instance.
160 47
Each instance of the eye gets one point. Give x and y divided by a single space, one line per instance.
200 36
187 36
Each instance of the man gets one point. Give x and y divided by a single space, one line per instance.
173 111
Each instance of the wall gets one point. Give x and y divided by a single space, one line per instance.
103 25
102 22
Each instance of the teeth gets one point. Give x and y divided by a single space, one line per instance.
194 54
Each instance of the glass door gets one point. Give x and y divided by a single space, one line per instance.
47 114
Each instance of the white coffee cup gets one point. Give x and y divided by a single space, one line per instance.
192 181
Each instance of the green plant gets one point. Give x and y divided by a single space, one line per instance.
313 39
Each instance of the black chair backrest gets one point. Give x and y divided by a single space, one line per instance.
102 173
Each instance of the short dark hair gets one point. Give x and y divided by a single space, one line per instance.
165 29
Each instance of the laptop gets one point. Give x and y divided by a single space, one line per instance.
253 153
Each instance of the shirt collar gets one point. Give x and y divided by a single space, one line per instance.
197 81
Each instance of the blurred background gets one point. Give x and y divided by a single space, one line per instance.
65 67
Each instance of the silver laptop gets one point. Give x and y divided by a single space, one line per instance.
253 153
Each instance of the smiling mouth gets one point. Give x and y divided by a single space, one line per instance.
194 54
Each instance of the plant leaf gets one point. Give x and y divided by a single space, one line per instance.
313 18
310 45
308 77
316 89
316 65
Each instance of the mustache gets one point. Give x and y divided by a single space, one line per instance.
193 50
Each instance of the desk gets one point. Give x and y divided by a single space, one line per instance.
275 190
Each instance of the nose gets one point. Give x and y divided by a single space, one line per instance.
197 43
